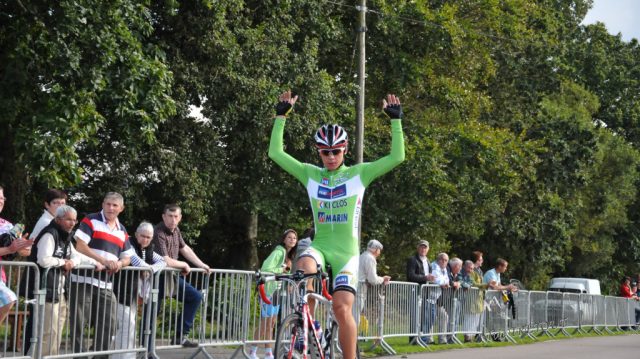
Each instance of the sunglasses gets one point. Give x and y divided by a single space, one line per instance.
335 151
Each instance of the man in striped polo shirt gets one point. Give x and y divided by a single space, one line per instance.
102 237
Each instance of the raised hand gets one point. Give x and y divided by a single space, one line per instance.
392 107
285 103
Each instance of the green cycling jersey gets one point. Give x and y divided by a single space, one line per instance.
336 200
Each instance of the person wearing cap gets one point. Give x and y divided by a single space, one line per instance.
418 266
419 271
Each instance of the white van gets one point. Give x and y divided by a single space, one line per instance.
575 285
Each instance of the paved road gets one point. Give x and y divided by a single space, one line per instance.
607 347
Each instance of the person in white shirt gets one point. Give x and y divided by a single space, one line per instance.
441 274
55 256
368 273
53 199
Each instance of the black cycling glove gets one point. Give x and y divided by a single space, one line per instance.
393 111
283 108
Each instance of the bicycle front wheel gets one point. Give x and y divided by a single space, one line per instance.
289 340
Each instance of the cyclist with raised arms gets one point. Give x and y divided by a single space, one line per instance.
336 192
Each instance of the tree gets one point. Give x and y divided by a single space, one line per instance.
71 71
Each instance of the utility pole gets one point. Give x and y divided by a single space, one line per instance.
362 29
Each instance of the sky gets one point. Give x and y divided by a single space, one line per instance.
618 16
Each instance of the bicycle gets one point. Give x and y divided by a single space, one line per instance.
296 337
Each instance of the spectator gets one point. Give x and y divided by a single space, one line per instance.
368 265
419 271
13 242
625 288
368 273
279 261
629 291
102 237
53 199
169 243
443 295
492 277
470 278
478 258
53 250
131 285
455 280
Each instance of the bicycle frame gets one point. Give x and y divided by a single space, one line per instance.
299 280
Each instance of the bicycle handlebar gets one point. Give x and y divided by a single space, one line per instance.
297 277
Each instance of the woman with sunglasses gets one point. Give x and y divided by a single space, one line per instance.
336 192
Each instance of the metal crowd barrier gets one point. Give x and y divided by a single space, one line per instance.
136 312
397 312
539 317
598 304
384 311
520 324
94 314
174 296
14 332
497 314
226 318
611 317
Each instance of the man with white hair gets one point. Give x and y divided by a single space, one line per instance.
367 270
368 273
53 250
443 294
455 281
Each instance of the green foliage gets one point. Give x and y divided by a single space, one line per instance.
72 69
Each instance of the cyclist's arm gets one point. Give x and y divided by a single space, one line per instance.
283 159
383 165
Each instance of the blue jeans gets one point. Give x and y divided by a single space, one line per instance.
190 298
428 317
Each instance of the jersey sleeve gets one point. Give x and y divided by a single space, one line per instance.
373 170
283 159
273 263
85 230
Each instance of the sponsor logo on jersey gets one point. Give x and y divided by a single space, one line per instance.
330 193
342 280
325 181
356 214
346 272
341 179
335 204
332 218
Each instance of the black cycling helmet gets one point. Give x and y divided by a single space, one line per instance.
331 136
